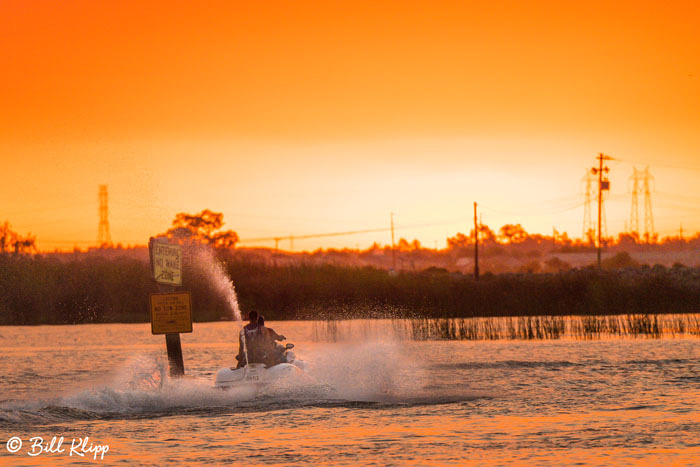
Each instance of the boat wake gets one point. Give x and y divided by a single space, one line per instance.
368 375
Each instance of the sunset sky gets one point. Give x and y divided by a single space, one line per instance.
303 117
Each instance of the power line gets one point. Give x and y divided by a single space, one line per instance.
689 198
679 206
544 211
661 166
307 236
86 242
349 232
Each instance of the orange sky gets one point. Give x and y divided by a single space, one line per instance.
306 117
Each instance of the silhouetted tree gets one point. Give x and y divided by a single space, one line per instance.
375 246
511 233
403 245
12 241
590 236
203 228
486 235
459 241
563 239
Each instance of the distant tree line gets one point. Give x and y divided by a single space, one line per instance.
91 288
112 285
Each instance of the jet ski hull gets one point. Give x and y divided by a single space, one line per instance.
256 376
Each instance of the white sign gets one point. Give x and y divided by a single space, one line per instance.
166 260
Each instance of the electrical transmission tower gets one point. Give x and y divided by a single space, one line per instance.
103 237
649 234
588 225
636 178
603 185
639 178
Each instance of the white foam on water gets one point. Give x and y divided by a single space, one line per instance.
368 371
186 393
371 371
140 386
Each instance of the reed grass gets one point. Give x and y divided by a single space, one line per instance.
517 328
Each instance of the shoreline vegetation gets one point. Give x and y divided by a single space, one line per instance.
524 275
112 285
514 328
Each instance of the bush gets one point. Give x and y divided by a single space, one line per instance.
619 261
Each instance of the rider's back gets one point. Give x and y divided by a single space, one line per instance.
255 343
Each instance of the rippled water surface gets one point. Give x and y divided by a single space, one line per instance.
371 399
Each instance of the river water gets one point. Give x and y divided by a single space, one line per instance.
371 399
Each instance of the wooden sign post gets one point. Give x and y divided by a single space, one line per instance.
171 312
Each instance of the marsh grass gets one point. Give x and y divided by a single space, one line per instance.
514 328
99 289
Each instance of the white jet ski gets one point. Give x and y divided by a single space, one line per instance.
255 376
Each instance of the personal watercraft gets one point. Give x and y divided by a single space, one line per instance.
256 376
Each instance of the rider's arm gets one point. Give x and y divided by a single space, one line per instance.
241 350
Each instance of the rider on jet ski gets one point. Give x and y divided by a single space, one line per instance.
259 343
253 345
273 353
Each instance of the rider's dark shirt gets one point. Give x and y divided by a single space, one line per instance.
254 343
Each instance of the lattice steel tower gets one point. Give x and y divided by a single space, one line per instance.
636 178
648 215
103 237
603 185
588 224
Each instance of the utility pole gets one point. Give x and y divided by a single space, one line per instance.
603 185
393 248
476 246
605 225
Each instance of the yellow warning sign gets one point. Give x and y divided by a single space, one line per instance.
166 260
171 313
